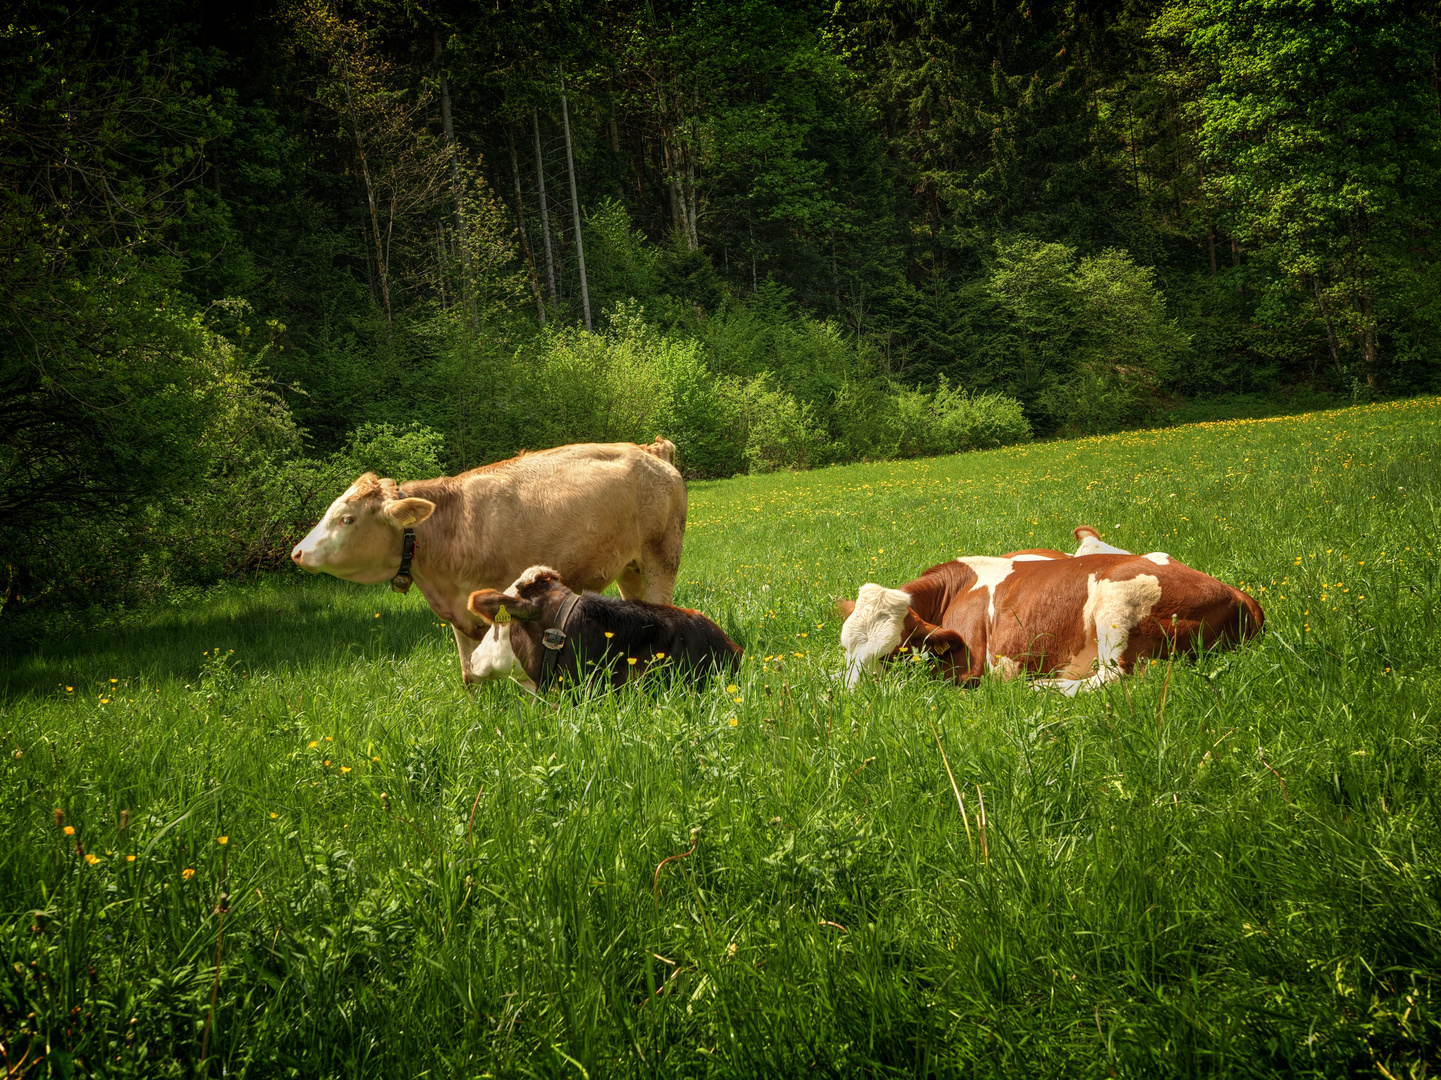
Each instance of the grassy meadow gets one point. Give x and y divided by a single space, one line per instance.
268 833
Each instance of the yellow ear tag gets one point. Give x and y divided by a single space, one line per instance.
501 616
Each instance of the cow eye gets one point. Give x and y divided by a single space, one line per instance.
348 519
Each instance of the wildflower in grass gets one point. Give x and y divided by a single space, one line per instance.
375 758
734 722
69 830
732 688
273 815
327 763
187 873
92 859
345 768
377 614
222 840
130 858
312 744
630 660
660 656
329 739
610 633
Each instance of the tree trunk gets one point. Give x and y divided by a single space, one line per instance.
575 205
369 194
544 210
520 223
445 123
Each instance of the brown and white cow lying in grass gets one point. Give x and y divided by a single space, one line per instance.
541 631
1083 620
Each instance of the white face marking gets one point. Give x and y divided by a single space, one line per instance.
494 658
528 578
873 630
1160 558
990 572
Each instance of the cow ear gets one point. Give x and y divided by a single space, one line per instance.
488 604
845 607
407 512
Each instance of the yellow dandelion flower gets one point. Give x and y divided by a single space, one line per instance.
732 688
70 689
114 681
377 614
92 859
660 656
327 763
630 660
312 744
187 873
69 830
273 815
329 738
345 768
735 722
375 758
610 633
130 858
222 840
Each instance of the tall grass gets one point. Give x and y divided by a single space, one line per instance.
1226 866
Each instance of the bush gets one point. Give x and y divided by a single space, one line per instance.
951 420
1091 337
772 429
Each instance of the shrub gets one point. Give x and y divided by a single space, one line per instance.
950 420
772 428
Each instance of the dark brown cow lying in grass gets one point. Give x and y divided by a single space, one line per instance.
541 631
1084 620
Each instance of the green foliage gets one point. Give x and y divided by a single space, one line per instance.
949 420
1093 336
1293 126
633 885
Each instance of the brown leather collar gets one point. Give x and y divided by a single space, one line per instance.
401 582
553 640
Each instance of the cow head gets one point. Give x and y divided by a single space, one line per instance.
359 538
520 612
880 621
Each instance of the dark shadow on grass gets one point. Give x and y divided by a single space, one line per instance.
280 622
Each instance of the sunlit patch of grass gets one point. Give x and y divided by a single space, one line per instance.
319 854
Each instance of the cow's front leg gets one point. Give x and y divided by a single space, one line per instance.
465 645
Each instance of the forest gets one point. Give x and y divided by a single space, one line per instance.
248 250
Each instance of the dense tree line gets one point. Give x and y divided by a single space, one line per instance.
240 236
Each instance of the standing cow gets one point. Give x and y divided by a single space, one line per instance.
597 512
1084 620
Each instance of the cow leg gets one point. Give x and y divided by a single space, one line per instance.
464 645
1114 609
651 581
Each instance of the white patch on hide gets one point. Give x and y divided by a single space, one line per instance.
990 572
1094 545
874 629
1007 667
1031 558
1113 609
1160 558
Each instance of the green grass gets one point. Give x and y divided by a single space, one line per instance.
1223 867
